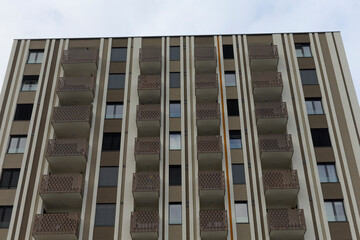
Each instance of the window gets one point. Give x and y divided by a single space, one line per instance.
327 172
335 211
308 76
232 107
9 178
174 213
175 140
111 141
17 144
23 112
235 139
238 173
241 212
118 54
5 216
29 83
174 80
320 137
175 109
116 81
314 106
114 110
303 50
105 214
228 51
230 79
35 56
175 175
108 176
174 53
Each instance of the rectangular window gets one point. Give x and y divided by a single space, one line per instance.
23 112
9 178
230 79
228 51
308 76
238 173
174 80
29 83
235 139
327 172
116 81
335 211
111 142
175 213
175 109
5 216
114 110
175 140
241 212
174 175
314 106
175 53
17 144
105 214
303 50
320 137
35 56
108 176
233 107
118 54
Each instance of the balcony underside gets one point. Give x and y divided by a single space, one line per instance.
287 234
280 198
72 129
205 66
147 162
67 163
146 200
58 202
210 161
206 95
144 235
270 94
148 128
76 68
149 96
271 125
150 67
208 126
263 64
276 160
55 236
75 97
213 235
212 199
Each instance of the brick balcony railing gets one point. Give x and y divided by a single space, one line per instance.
149 82
67 223
74 84
271 110
208 80
147 145
80 55
266 79
146 221
211 180
148 112
67 147
263 52
207 111
149 54
286 219
206 144
276 143
72 114
213 220
146 182
281 179
205 53
62 183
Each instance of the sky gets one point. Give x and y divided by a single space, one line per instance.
109 18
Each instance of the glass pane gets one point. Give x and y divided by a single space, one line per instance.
118 54
6 217
174 80
306 51
39 57
118 111
241 213
33 86
110 111
329 211
318 107
105 215
331 173
322 173
108 176
32 57
13 145
116 81
308 76
174 53
22 143
238 173
175 141
5 179
309 107
299 52
175 214
175 110
14 178
339 211
174 175
230 80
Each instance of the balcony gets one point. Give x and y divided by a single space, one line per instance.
147 153
211 189
56 226
145 189
206 87
271 117
67 155
80 60
72 121
76 90
208 118
149 89
213 224
148 119
286 223
276 151
150 60
267 86
205 59
144 225
61 191
209 152
263 57
281 188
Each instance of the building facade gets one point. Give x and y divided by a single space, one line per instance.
180 137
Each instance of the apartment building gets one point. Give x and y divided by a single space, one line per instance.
180 137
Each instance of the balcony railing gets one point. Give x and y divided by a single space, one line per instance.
75 84
211 180
271 110
80 55
276 143
67 147
146 221
205 53
72 114
266 79
206 80
209 144
150 54
207 111
281 179
263 52
148 112
286 219
61 183
146 182
213 220
149 82
147 145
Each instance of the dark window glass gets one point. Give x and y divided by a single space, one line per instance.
116 81
230 79
314 106
29 83
35 56
175 175
175 213
5 216
175 140
238 173
335 211
17 144
308 76
235 139
175 109
105 214
108 176
23 112
118 54
114 110
327 172
320 137
174 80
111 141
9 178
233 107
174 53
241 212
303 50
228 51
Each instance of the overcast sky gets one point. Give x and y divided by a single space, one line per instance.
90 18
